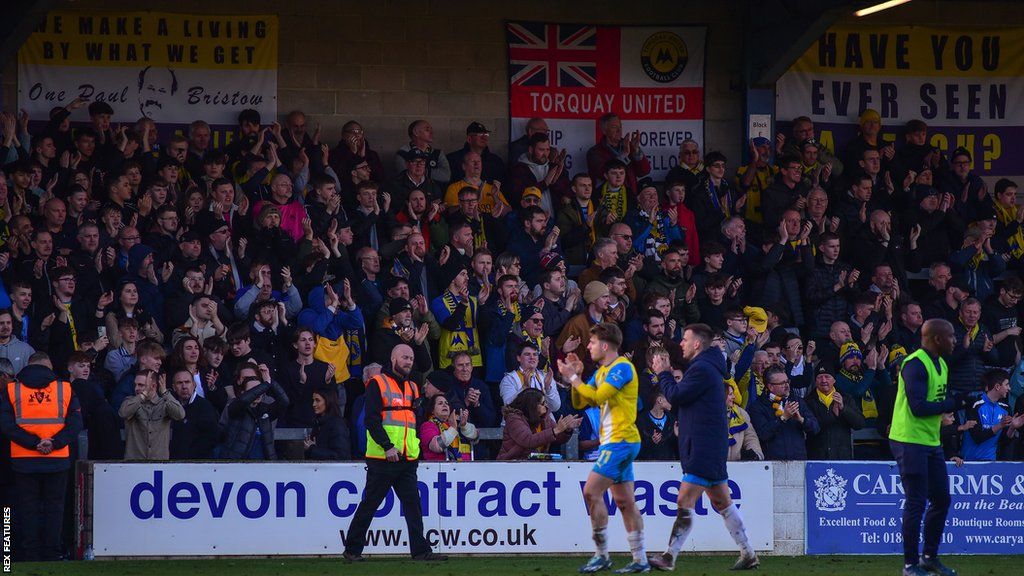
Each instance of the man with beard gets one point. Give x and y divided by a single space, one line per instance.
11 347
556 306
699 404
945 303
669 281
864 379
392 454
542 169
400 328
533 241
577 330
500 317
654 335
164 238
457 312
458 254
422 215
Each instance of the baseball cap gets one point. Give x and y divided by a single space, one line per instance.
399 305
477 128
415 154
532 191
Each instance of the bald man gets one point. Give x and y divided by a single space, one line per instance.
921 400
392 454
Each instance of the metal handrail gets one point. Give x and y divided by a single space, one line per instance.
570 450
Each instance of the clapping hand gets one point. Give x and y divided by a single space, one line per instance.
837 402
570 345
567 422
660 363
570 368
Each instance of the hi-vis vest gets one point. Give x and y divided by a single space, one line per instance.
40 411
398 416
912 429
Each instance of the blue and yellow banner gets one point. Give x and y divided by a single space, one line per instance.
964 83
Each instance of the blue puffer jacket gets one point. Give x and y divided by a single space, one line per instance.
699 404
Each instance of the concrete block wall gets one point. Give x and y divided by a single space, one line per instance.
386 63
790 508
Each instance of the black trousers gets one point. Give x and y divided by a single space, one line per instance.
381 477
40 513
925 480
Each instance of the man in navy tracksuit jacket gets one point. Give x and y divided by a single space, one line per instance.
699 402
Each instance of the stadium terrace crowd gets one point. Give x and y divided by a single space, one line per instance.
199 300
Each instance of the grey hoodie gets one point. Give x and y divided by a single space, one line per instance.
17 352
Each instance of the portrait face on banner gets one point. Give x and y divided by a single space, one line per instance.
156 86
170 68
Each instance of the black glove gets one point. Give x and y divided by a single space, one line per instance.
748 455
962 400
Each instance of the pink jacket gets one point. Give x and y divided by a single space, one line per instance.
292 215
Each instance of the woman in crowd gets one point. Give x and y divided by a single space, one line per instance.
126 305
328 440
530 427
447 434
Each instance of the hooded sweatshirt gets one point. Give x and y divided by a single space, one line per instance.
150 295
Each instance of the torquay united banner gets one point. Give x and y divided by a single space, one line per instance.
173 68
966 84
571 74
219 509
857 508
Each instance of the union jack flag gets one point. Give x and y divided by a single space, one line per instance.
552 55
